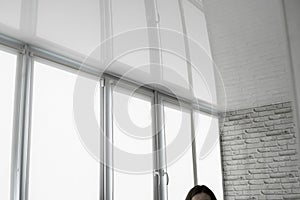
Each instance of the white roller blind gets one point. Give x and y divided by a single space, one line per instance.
200 53
130 35
72 24
172 40
73 28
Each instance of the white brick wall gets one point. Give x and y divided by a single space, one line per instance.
249 47
259 151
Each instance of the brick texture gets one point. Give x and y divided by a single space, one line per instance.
259 151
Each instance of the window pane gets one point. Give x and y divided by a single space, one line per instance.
175 71
175 68
203 71
10 13
196 24
130 33
133 146
73 24
60 165
7 86
208 153
180 169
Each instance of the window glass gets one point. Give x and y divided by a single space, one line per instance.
60 165
7 86
175 71
203 72
10 13
180 166
196 24
175 66
209 168
72 24
130 33
133 160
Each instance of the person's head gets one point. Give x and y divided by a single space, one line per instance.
200 193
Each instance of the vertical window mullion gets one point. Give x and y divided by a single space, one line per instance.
107 138
27 124
22 116
16 145
194 152
161 167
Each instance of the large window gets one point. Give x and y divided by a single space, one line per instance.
179 152
175 69
200 53
60 165
81 37
130 27
7 86
208 156
133 146
62 156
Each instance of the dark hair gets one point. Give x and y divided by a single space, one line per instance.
200 189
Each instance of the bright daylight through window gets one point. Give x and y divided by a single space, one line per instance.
60 165
132 137
8 64
149 63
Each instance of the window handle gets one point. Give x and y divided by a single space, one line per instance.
166 173
160 174
156 173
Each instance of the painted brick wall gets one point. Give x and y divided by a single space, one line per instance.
259 150
249 47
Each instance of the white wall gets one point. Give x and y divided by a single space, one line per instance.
293 20
292 8
249 46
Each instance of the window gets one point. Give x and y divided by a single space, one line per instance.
60 165
175 70
130 33
200 53
179 151
72 24
133 160
7 86
209 168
